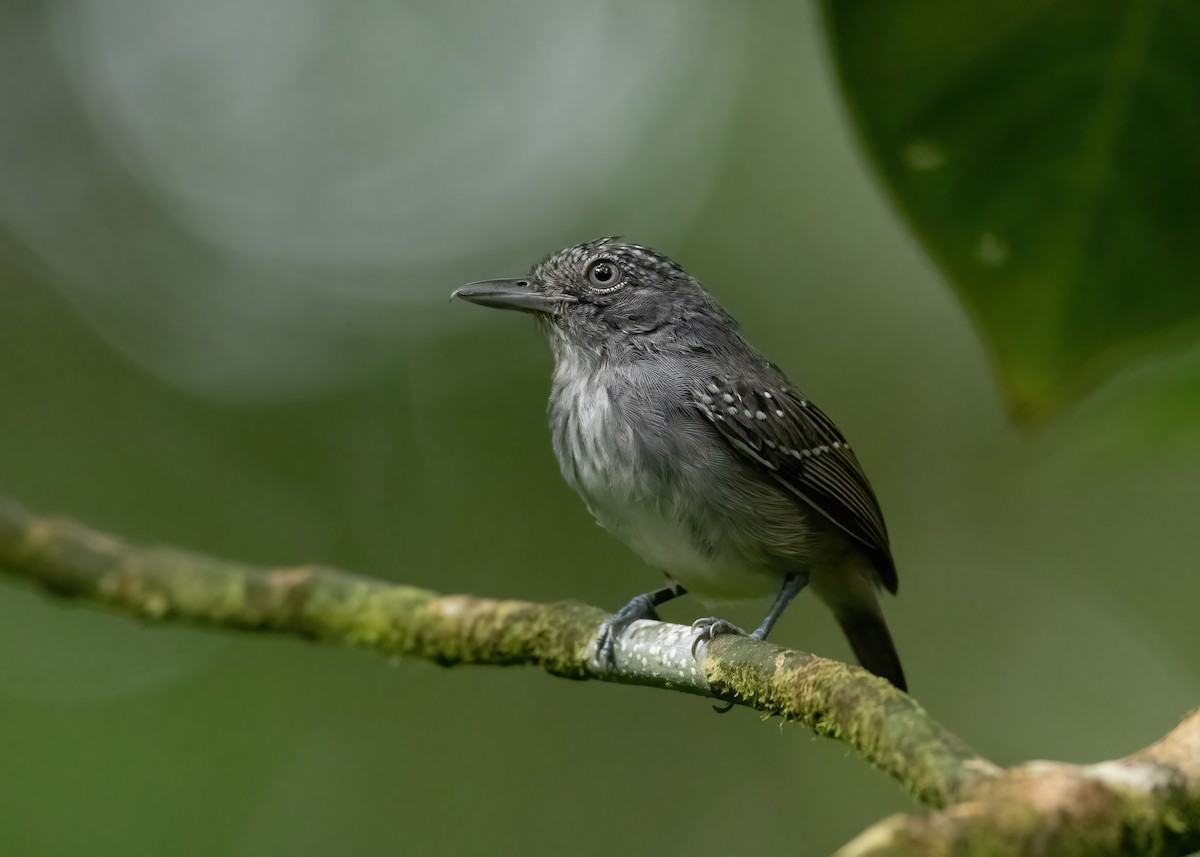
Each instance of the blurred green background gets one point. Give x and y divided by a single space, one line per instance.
228 233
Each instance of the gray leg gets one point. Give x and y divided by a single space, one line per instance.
639 607
704 630
793 584
711 627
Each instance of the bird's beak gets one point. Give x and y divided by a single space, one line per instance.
511 294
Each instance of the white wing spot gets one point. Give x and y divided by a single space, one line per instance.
749 413
713 388
728 399
760 415
778 413
766 394
732 410
770 444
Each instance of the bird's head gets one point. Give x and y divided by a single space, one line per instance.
606 292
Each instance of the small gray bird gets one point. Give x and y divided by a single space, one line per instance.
697 452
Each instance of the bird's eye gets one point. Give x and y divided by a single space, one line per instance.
603 274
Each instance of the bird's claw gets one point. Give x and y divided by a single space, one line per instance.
639 607
708 629
606 646
705 631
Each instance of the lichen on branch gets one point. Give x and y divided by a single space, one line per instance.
1147 803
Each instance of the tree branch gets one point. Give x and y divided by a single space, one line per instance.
159 584
1146 803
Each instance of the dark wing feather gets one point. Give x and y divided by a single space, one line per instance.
801 448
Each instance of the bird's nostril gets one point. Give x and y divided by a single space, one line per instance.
524 284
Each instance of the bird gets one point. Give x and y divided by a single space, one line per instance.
697 452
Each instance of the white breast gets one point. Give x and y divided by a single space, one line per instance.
600 457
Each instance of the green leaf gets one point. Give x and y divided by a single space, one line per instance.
1048 155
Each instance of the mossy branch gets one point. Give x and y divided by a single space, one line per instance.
1151 799
1147 803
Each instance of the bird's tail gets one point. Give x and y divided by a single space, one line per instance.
872 643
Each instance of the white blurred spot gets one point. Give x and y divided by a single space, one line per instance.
992 250
923 156
248 196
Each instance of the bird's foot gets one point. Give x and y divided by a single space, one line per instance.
640 607
708 629
705 631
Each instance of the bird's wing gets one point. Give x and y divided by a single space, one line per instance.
773 425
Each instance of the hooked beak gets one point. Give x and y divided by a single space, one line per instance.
511 294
